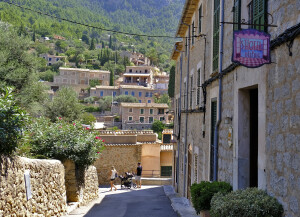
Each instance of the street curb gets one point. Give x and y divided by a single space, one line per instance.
181 205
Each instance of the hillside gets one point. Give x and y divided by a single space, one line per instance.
151 17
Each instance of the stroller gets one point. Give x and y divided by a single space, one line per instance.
126 180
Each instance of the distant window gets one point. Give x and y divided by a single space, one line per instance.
142 119
161 118
166 170
146 70
142 111
140 94
166 138
49 59
130 109
130 70
101 93
126 92
114 93
57 59
150 119
151 111
160 111
132 93
200 20
140 101
147 94
151 94
149 101
130 118
95 92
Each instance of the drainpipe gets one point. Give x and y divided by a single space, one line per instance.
186 116
179 120
215 176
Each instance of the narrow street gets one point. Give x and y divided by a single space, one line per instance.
146 202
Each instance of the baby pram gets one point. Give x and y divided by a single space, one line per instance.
126 180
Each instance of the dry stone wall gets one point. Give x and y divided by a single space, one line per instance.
47 179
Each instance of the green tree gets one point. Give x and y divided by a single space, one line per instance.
126 98
16 65
92 47
171 88
65 105
111 78
33 36
158 127
12 120
88 119
61 45
105 103
152 55
110 42
163 99
85 39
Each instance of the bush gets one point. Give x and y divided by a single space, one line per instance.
62 140
88 118
203 192
248 203
12 120
91 109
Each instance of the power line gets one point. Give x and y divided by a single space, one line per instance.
90 26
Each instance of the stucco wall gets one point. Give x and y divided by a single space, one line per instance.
47 187
151 159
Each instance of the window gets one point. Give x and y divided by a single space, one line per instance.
198 87
200 20
130 70
191 91
140 94
140 101
126 92
151 94
150 120
142 119
151 111
101 93
130 118
160 111
57 59
237 14
114 93
193 32
186 45
130 109
132 93
161 118
149 101
258 14
147 94
167 138
50 59
142 111
146 70
95 92
166 170
216 32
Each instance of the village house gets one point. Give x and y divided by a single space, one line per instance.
53 59
234 123
142 115
137 59
125 148
139 75
79 79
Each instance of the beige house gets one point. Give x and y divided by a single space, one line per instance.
79 79
141 116
125 148
137 59
52 59
233 123
139 75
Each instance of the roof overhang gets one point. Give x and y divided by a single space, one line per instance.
187 15
176 50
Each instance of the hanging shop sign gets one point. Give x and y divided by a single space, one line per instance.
251 48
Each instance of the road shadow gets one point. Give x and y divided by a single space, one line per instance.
144 202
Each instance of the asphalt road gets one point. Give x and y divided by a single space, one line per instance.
145 202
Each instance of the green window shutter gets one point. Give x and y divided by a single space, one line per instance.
237 14
212 135
200 20
216 35
259 14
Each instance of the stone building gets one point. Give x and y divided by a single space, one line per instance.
52 59
137 59
123 149
233 123
79 79
142 115
139 75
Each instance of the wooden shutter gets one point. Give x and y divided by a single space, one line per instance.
216 35
237 14
198 87
200 20
259 14
212 135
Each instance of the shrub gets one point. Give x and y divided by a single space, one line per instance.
203 192
88 118
12 120
248 203
62 140
91 109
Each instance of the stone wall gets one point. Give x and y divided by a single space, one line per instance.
81 186
47 187
123 157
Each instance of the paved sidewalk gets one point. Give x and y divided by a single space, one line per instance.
181 205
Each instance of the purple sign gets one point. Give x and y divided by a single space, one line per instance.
251 48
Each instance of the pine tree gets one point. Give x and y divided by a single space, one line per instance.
92 47
33 36
172 82
111 79
110 42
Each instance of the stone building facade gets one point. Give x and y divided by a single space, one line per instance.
79 79
141 116
233 123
